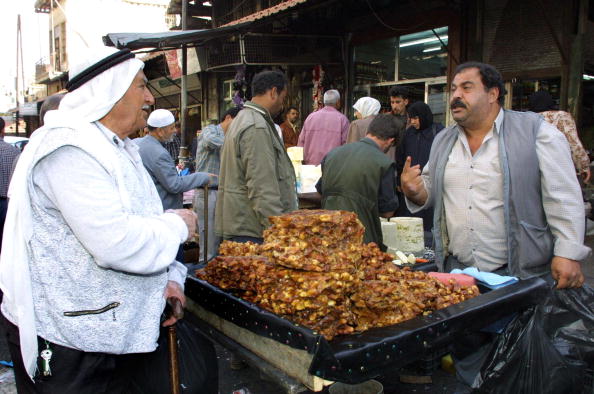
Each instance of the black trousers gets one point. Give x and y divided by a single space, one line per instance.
72 371
180 254
3 209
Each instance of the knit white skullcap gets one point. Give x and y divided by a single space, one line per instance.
160 118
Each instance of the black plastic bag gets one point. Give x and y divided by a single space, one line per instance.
546 349
198 368
568 319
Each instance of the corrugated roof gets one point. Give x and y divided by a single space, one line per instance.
267 12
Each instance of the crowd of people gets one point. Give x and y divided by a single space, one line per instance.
96 220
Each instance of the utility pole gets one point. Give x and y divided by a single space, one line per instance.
19 58
183 151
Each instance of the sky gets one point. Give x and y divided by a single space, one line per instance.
35 30
87 21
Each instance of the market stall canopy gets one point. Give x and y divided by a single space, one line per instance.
275 9
169 39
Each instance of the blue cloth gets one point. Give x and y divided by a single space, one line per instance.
492 281
489 279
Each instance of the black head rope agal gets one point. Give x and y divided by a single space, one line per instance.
97 68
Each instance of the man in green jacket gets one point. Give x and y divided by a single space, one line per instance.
359 177
257 179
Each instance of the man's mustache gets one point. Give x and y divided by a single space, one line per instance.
457 104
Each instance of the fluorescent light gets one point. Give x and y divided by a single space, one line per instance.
432 49
587 77
423 41
207 4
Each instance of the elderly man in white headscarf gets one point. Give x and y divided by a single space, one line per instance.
89 259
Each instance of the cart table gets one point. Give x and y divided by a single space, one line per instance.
310 359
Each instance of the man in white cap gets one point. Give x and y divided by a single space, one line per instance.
90 256
161 167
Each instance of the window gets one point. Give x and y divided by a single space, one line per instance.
228 90
227 95
58 48
422 55
412 56
437 101
417 61
57 63
522 89
63 51
375 62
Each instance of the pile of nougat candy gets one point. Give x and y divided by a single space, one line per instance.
314 270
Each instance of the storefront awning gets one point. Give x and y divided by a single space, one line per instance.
276 9
169 39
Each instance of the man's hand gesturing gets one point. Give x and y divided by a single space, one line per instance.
412 184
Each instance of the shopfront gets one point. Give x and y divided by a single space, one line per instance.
519 91
418 61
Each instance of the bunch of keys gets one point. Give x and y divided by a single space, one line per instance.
46 355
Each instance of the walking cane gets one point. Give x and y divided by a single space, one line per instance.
205 243
178 311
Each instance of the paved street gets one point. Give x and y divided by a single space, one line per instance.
251 380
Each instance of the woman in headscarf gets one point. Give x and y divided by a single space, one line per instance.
543 103
416 143
366 108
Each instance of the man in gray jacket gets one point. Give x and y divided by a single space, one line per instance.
504 191
502 185
161 167
257 177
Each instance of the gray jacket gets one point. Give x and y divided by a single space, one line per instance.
160 166
530 242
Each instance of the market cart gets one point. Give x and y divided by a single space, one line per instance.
296 357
